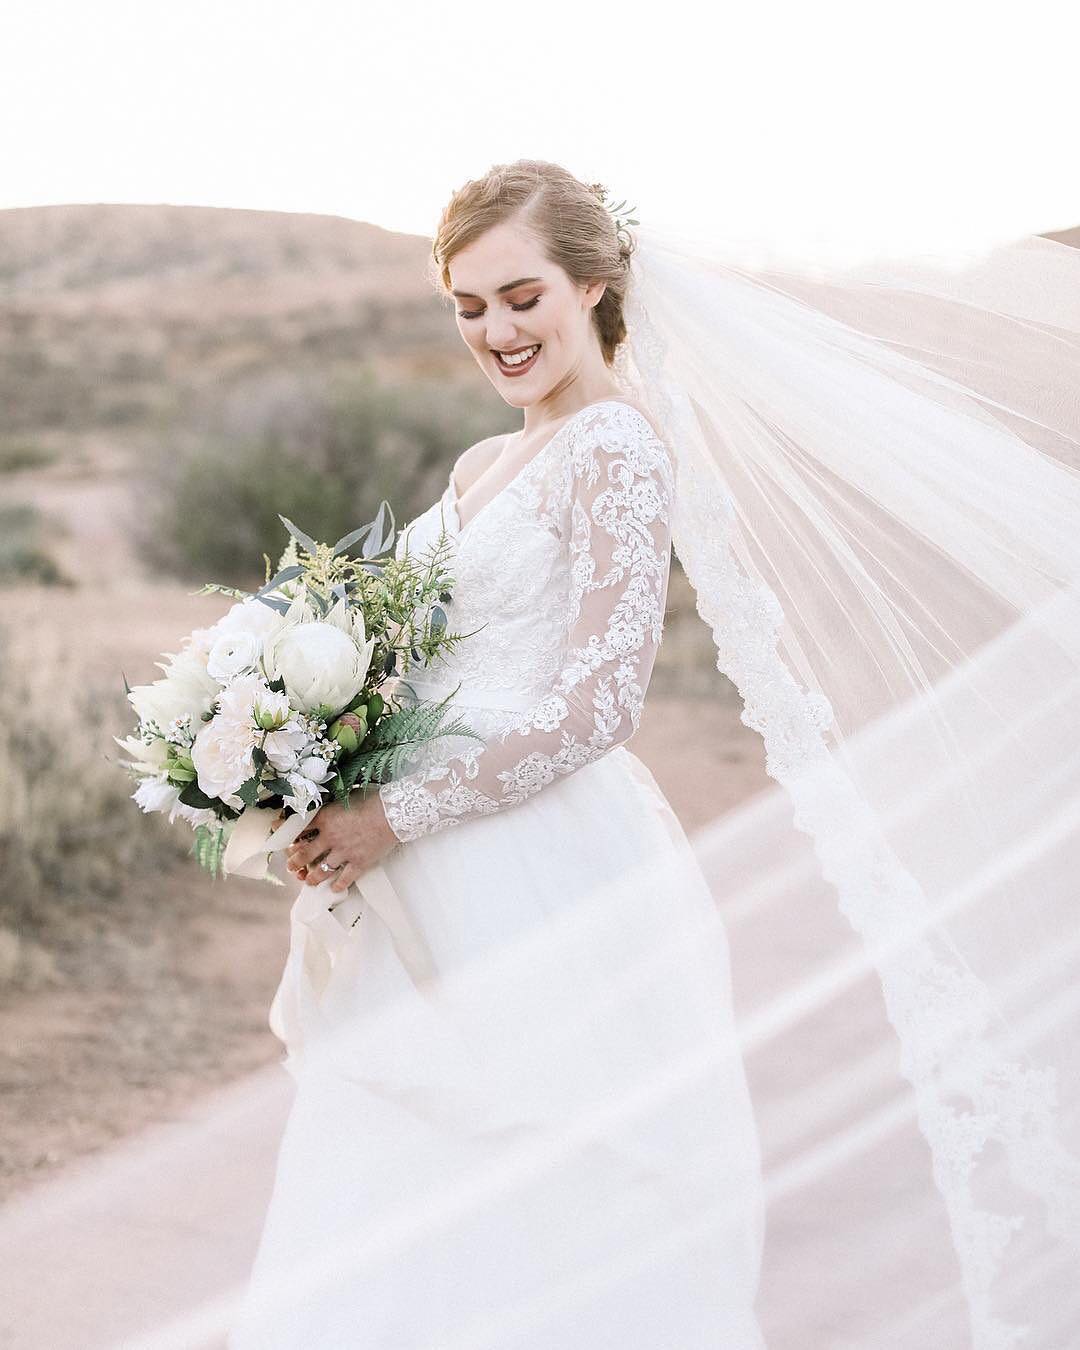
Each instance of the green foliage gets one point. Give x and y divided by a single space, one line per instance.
324 454
392 740
23 554
23 454
209 849
70 838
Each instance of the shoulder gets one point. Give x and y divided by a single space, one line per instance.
643 414
622 430
620 423
471 463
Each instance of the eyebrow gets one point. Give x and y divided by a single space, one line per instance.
510 285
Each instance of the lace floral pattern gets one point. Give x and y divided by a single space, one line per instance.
567 569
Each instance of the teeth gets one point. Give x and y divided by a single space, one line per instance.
519 357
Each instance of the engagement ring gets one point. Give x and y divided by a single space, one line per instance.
327 868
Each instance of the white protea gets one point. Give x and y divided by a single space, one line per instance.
323 662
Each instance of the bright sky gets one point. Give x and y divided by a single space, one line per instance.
828 128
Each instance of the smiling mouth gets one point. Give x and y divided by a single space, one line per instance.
512 367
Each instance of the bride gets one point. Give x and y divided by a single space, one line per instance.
560 1150
522 1116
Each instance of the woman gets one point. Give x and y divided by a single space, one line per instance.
553 1145
522 1119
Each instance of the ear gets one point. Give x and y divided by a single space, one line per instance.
594 293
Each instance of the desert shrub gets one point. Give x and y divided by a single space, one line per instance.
24 555
21 454
70 840
322 452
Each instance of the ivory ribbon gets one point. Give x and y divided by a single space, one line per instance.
319 922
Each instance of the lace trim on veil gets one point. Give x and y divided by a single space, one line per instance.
938 1007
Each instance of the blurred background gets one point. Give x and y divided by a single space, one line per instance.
214 307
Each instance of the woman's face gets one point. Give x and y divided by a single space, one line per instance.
511 300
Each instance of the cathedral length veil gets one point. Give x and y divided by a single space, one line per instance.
878 507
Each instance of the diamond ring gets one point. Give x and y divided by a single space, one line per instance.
327 868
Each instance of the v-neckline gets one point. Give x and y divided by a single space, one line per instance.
451 490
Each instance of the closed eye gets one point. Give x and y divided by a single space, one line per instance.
464 314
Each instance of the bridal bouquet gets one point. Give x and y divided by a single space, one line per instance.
287 702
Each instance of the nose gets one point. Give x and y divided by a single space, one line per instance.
502 335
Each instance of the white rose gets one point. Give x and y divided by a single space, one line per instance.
320 663
233 653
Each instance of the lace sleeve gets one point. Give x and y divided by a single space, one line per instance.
620 554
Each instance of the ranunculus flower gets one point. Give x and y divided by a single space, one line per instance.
232 654
324 664
250 617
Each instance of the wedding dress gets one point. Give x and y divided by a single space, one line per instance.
551 1142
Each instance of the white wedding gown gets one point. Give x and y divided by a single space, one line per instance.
550 1146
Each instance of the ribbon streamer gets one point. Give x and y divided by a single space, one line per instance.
318 930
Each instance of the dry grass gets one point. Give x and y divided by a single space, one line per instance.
72 846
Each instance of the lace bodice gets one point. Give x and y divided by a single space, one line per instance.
564 572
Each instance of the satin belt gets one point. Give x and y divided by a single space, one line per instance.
320 923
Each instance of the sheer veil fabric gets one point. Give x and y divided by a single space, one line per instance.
878 507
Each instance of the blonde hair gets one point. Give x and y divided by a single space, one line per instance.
574 227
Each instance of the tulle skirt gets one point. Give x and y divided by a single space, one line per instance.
552 1143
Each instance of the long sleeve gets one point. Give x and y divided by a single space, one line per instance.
621 499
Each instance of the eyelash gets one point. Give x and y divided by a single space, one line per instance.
527 305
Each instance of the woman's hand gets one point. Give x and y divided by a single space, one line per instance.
350 839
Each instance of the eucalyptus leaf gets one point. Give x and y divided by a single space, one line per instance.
305 540
438 619
354 536
286 574
380 538
280 606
